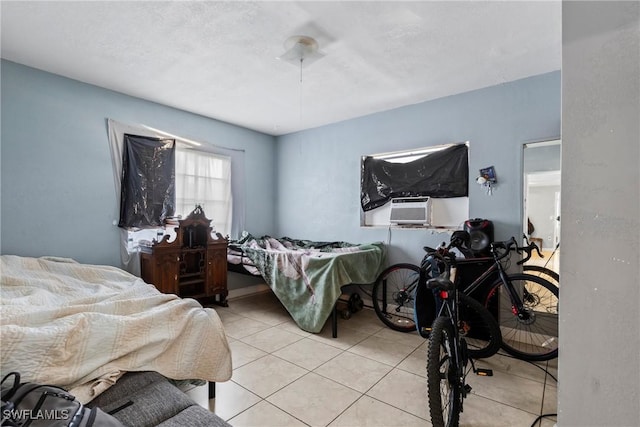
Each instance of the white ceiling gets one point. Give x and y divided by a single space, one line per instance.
219 59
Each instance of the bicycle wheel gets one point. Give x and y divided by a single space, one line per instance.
479 328
392 296
544 272
443 388
532 335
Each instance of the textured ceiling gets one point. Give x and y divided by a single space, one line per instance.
219 59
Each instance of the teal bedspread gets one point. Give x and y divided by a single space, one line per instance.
307 276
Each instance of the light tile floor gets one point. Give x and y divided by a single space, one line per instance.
369 376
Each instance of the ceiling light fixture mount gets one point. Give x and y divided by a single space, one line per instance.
301 51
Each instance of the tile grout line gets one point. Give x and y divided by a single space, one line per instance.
343 350
360 395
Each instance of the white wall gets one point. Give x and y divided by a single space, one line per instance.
599 364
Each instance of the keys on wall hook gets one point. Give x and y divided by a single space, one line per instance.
487 179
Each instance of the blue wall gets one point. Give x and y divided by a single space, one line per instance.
58 195
319 169
57 184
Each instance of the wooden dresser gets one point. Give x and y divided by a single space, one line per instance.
193 265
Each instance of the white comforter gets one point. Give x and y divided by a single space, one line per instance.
82 326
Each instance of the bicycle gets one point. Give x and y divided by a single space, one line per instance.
525 305
537 270
476 322
447 353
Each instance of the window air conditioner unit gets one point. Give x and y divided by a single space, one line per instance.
410 210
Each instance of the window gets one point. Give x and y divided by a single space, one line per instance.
201 178
440 172
204 179
205 174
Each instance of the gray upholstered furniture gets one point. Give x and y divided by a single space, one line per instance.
146 399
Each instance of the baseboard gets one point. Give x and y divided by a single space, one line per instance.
248 290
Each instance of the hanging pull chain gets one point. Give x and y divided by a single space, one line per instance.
301 59
300 100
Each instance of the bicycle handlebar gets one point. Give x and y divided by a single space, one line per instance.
499 250
442 253
529 248
508 246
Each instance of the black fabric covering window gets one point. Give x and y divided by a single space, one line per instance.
148 181
441 174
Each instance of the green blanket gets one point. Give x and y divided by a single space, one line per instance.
307 276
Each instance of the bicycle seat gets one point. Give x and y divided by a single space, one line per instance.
440 282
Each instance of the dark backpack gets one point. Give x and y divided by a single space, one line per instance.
46 405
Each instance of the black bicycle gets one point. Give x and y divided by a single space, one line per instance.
525 305
476 322
448 353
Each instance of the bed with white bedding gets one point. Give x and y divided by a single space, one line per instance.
83 326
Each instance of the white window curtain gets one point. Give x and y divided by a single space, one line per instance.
214 162
204 179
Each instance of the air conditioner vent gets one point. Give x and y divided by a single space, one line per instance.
410 210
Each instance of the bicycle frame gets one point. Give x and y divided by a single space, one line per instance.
516 301
450 306
496 267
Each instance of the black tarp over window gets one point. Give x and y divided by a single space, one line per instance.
148 181
444 173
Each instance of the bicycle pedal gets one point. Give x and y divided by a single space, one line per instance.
484 372
467 389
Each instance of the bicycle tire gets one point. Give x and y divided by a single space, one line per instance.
533 337
443 389
392 296
479 328
544 272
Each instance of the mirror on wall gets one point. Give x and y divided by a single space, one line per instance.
541 200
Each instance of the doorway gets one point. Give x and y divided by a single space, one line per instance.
541 200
